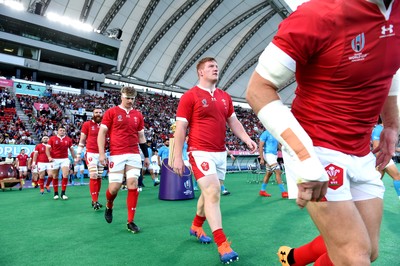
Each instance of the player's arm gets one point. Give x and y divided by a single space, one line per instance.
72 151
273 71
389 135
230 153
275 68
81 145
48 154
179 139
238 130
261 151
16 163
144 148
101 142
390 132
35 155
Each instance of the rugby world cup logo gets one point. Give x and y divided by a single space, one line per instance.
187 184
188 187
358 43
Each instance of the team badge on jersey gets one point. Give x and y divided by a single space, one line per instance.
205 166
335 174
119 118
111 164
204 102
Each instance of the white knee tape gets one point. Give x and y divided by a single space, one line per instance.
133 173
115 177
92 169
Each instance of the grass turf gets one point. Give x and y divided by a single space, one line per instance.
37 230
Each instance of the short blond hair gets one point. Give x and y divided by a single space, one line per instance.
129 91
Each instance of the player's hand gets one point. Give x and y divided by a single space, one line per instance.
77 160
314 191
103 160
178 166
386 148
146 162
50 159
252 146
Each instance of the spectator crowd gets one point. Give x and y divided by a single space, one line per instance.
158 111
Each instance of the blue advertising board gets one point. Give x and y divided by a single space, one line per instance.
15 149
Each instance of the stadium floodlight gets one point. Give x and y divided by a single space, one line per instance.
13 4
68 21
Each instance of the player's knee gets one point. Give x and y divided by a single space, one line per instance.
212 193
93 172
132 183
115 178
133 173
360 254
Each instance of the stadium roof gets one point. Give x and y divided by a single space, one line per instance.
162 40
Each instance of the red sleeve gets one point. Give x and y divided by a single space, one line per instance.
107 118
185 106
231 109
85 128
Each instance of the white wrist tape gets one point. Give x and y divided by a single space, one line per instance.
281 123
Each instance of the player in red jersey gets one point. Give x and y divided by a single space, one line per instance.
206 110
57 153
334 49
34 170
41 162
21 163
88 138
125 127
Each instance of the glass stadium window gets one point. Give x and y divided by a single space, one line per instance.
39 33
11 48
